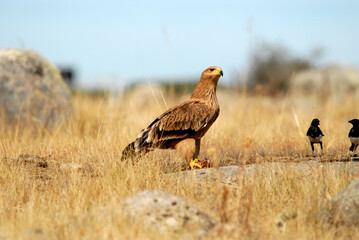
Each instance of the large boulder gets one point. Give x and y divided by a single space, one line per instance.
331 81
162 211
343 208
31 89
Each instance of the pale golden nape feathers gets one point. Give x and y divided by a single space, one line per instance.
182 127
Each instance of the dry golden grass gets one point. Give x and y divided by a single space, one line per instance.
77 204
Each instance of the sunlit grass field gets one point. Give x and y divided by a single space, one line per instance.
56 203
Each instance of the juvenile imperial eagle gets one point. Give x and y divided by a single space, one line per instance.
182 127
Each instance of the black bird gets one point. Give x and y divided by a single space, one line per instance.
315 134
354 135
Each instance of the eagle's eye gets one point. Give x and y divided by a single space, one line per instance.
211 69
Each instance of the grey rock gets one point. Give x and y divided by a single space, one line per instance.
283 218
343 208
163 211
31 89
228 175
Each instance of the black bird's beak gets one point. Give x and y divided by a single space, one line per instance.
221 72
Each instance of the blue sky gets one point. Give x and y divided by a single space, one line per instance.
116 42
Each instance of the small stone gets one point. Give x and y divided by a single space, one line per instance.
171 222
34 233
28 159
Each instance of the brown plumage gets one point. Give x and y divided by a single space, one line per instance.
182 127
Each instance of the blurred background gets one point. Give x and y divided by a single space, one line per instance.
263 46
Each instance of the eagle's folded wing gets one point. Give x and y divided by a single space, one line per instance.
179 122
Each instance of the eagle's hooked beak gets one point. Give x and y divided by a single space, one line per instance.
219 72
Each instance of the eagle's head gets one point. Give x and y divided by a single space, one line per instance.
212 73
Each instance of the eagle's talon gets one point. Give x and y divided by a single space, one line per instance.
195 163
200 164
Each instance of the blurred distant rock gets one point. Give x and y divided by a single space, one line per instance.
334 80
141 95
31 89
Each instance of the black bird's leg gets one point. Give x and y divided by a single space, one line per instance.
352 147
312 145
321 147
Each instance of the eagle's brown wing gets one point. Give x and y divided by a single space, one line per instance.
187 120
